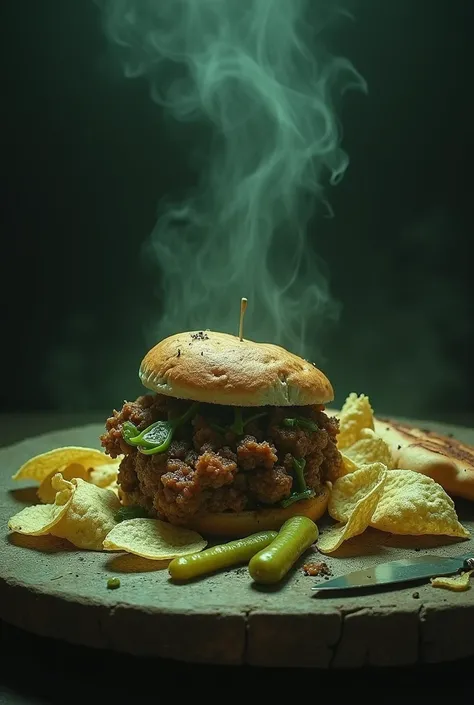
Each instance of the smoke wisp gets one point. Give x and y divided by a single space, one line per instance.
256 72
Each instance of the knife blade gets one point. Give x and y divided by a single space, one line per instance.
398 571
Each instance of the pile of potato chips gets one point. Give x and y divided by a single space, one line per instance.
80 502
373 493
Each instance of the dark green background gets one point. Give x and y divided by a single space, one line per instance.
86 156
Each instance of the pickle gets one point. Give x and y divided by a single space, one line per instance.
221 556
273 562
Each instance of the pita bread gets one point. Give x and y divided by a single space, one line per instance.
448 461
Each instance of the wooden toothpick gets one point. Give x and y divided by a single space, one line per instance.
243 308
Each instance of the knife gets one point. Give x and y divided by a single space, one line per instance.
401 571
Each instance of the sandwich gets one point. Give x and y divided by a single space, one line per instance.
447 460
231 438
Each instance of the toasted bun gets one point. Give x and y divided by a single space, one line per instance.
240 524
448 461
218 368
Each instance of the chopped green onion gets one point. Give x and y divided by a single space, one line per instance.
157 437
238 425
298 467
300 422
296 497
219 429
129 430
301 491
255 417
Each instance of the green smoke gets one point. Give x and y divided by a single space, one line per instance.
256 73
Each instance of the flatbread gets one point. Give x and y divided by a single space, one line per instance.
448 461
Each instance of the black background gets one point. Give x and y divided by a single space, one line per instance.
86 157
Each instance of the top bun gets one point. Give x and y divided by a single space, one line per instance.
218 368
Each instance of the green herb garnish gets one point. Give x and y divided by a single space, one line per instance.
157 437
296 497
129 430
132 512
113 583
238 424
300 422
299 482
219 429
255 417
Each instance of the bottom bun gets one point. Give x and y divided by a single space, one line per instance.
240 524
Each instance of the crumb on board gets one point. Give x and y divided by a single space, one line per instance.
314 568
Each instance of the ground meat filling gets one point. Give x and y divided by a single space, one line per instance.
252 454
208 467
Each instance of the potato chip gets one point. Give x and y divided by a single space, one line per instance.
350 489
348 464
41 466
46 492
89 517
114 487
154 539
370 448
355 415
415 504
41 518
457 583
104 475
353 501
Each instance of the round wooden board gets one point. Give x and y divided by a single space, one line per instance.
50 588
